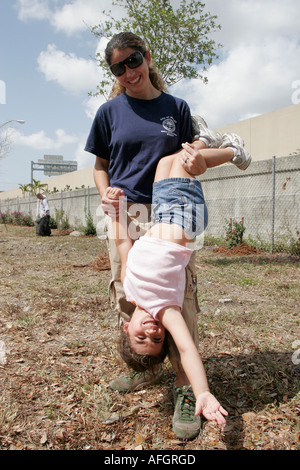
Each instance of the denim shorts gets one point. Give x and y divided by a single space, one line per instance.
180 201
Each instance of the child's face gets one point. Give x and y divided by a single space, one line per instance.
146 334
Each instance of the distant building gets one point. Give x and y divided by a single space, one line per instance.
271 134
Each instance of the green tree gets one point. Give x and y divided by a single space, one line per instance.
5 142
25 188
37 186
178 38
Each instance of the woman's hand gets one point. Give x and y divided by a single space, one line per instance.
111 201
192 160
211 409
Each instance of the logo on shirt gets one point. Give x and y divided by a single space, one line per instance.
169 125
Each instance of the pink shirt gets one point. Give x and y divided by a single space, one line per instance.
155 274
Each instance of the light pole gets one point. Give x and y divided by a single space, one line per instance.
20 121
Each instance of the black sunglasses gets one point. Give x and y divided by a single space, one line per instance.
133 61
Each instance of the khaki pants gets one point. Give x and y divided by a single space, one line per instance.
138 221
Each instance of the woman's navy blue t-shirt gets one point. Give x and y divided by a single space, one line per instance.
134 134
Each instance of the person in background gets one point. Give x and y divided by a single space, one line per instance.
43 223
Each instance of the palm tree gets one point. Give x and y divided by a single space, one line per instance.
36 186
25 188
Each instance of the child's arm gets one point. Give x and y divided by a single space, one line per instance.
119 226
192 364
124 244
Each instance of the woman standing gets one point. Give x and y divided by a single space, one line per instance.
130 134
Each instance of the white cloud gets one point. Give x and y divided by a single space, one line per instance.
40 141
250 21
32 9
74 74
76 16
259 65
100 49
83 158
92 104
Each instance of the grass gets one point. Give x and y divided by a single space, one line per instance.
60 337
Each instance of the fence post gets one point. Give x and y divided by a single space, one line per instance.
273 202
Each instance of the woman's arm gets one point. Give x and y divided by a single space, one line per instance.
101 177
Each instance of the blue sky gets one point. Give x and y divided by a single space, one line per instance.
47 66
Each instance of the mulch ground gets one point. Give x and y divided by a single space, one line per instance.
59 335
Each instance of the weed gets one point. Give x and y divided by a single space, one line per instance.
90 228
234 233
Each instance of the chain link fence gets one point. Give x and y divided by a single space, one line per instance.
266 197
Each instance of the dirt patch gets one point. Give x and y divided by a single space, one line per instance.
238 250
59 334
101 263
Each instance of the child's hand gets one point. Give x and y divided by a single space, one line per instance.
211 409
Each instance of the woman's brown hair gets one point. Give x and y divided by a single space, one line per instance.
122 41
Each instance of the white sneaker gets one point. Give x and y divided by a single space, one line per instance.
230 139
242 158
200 129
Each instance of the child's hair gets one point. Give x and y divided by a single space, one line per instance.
128 39
140 362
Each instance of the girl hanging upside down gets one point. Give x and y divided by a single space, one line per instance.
153 271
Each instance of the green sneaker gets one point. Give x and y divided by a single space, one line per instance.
185 424
136 380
